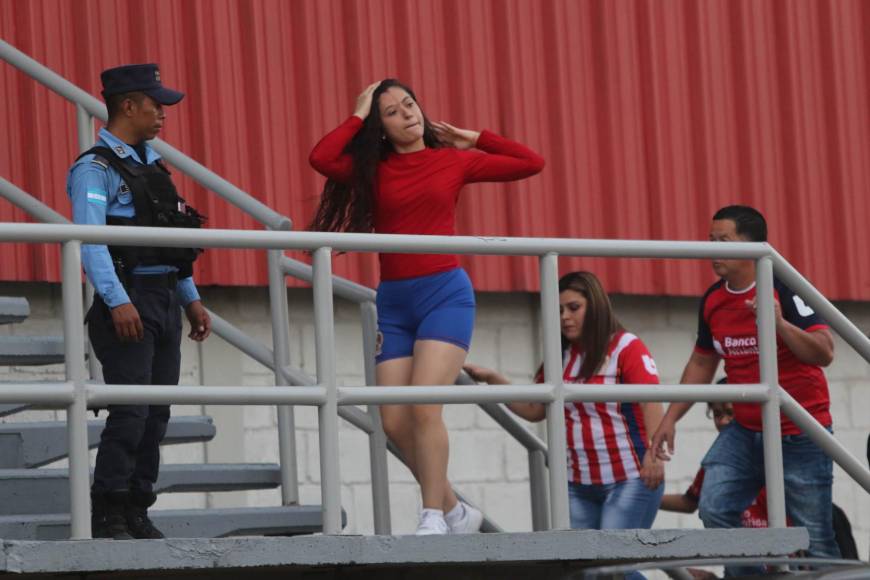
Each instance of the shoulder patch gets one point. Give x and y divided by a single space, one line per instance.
100 162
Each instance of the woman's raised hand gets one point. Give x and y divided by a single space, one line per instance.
454 136
364 101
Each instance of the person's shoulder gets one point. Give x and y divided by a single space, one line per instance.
781 288
624 342
91 165
717 285
716 288
630 344
94 160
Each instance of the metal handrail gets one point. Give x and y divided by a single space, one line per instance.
330 398
397 243
29 204
187 165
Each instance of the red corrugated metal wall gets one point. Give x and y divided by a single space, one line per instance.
651 114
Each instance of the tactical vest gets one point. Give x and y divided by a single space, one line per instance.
157 204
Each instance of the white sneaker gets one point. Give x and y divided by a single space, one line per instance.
465 520
432 523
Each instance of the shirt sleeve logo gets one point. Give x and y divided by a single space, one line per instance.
802 307
650 365
96 197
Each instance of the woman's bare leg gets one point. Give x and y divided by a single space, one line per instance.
435 363
398 419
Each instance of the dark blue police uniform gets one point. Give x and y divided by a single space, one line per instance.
123 184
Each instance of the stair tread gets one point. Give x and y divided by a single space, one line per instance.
41 491
33 444
184 523
31 350
13 309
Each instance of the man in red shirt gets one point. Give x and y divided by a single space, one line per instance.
734 466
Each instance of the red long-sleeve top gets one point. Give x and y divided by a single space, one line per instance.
416 193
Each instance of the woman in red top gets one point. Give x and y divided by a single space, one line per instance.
390 170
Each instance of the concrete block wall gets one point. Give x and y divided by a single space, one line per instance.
486 464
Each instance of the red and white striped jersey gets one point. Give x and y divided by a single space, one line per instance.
607 441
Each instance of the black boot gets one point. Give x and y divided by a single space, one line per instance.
138 522
108 515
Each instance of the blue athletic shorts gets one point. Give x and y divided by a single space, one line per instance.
434 307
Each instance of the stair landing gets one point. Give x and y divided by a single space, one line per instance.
540 555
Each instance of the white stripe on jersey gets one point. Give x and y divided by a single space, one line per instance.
598 454
579 412
620 427
582 461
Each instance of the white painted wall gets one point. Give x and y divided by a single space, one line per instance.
485 463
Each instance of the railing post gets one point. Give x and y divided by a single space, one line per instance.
770 412
281 360
377 439
556 446
324 339
85 123
77 412
538 490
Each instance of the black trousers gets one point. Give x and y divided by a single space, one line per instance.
128 457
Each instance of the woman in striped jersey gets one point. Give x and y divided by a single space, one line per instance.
614 481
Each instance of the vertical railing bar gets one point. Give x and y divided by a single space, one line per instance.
538 490
85 125
77 412
281 360
324 339
556 446
771 437
377 439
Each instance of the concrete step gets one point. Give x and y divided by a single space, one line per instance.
24 445
539 555
13 309
12 408
31 350
46 491
203 523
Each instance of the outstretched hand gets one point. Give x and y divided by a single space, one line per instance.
364 101
478 373
454 136
662 443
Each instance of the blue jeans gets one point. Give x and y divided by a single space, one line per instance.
734 474
626 505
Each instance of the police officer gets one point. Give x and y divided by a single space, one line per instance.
135 322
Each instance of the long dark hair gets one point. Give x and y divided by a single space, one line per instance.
599 323
349 207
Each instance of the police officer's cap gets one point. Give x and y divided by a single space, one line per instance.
143 78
